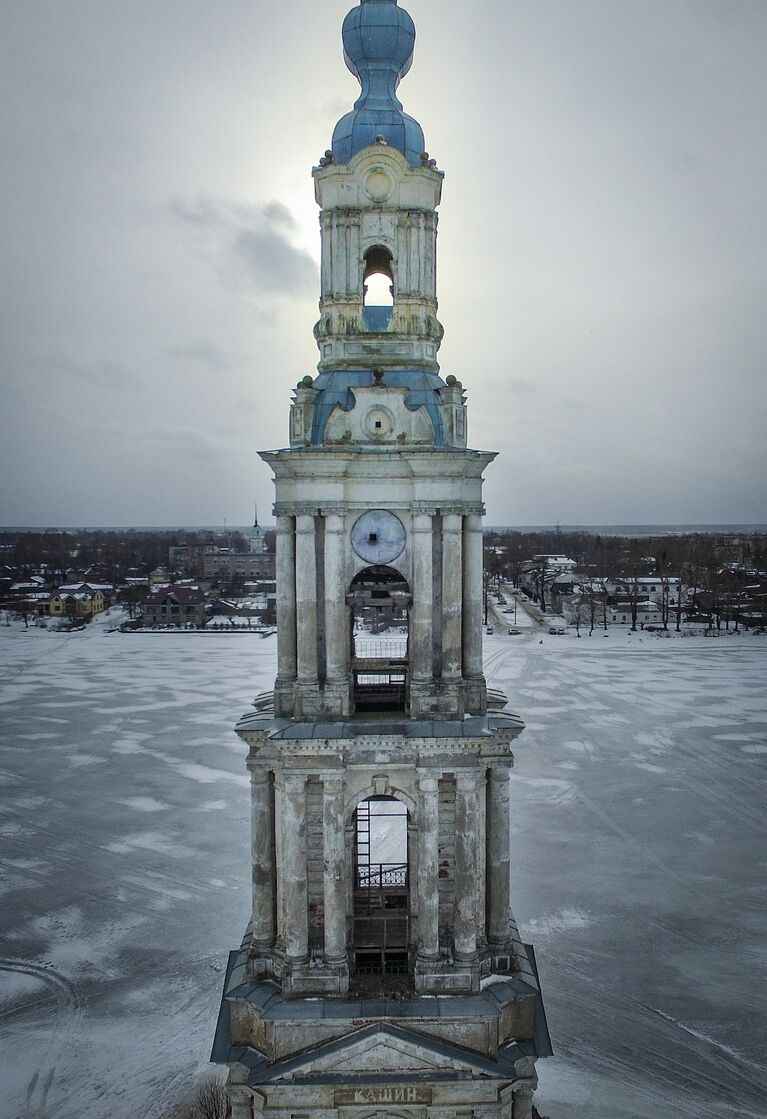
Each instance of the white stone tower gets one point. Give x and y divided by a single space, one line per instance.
382 971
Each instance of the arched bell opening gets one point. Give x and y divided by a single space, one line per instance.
380 598
377 288
380 940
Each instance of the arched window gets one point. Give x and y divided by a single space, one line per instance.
380 599
380 938
377 289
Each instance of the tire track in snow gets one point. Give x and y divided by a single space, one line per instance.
67 1018
681 1058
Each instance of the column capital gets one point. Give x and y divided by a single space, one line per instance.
334 521
333 782
467 780
305 522
422 520
452 521
292 780
428 780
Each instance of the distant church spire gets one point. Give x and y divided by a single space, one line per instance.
257 536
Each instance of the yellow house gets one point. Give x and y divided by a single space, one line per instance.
80 601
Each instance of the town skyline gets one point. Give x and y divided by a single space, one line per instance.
601 259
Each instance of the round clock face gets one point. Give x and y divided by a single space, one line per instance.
378 536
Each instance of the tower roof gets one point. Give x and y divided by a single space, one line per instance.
378 38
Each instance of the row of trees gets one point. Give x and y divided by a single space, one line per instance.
612 556
114 552
723 576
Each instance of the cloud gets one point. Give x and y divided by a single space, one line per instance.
252 241
523 388
104 373
200 352
182 441
278 214
274 265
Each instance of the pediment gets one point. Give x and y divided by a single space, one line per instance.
382 1051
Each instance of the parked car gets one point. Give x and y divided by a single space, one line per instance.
557 631
489 629
514 632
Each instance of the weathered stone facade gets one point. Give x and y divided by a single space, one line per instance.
380 977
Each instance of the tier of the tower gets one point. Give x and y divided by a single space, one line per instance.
394 535
378 225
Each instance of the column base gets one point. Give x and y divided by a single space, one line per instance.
324 978
440 977
307 703
475 695
336 698
284 699
430 698
260 961
503 957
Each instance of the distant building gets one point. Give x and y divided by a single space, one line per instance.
651 587
647 613
224 564
257 538
80 600
174 606
538 575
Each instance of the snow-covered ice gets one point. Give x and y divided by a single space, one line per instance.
639 864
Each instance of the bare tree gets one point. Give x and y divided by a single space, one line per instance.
633 591
208 1101
577 611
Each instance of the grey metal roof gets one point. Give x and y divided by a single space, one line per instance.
378 38
337 388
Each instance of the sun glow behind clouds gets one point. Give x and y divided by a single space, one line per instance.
602 238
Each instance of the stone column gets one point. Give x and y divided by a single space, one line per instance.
420 650
466 840
306 599
428 855
522 1102
295 895
262 860
336 631
472 595
481 860
498 843
452 593
286 599
327 278
334 869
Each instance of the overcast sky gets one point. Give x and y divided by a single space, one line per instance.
602 250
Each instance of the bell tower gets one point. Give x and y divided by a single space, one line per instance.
380 764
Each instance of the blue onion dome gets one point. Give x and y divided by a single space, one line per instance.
378 38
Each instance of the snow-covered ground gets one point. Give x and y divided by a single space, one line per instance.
639 874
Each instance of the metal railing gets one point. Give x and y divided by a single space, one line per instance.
380 649
376 876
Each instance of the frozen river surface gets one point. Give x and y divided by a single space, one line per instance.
640 865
